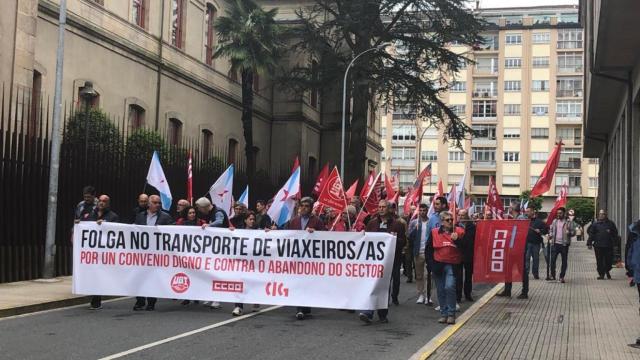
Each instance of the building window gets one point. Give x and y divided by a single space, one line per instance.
403 134
512 63
207 143
511 181
459 86
569 87
93 101
174 133
406 178
511 156
484 108
513 39
533 180
539 133
569 109
540 85
480 180
431 133
456 156
429 156
136 116
383 132
209 33
512 85
462 64
541 38
573 181
512 109
483 88
511 133
540 110
487 65
569 39
539 157
483 155
484 132
569 62
570 158
459 110
403 113
139 12
594 161
513 20
569 133
593 182
453 179
177 23
36 92
232 151
540 62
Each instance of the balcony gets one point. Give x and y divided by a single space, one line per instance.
571 190
570 70
574 164
569 45
483 118
564 118
483 141
486 70
483 164
485 94
569 93
403 163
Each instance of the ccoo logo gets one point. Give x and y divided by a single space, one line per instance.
180 283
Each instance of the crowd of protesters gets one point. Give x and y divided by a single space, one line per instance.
428 248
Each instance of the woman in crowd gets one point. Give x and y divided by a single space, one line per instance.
248 223
188 217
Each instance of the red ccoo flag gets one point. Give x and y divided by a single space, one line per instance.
371 200
190 180
352 190
332 194
365 188
321 180
388 188
561 201
494 202
423 174
546 177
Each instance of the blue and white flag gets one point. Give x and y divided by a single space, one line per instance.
221 192
285 200
244 198
461 192
156 178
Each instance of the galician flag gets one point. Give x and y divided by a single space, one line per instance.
285 200
156 178
221 192
244 198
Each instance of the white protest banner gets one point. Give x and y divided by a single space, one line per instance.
342 270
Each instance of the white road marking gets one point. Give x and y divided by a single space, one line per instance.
188 333
60 309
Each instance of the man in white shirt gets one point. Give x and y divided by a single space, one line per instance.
418 235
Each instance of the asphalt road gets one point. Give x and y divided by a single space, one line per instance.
274 333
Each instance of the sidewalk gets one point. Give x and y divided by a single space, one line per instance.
584 318
36 295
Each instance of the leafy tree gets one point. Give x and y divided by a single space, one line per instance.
535 203
142 143
103 136
252 40
412 76
584 209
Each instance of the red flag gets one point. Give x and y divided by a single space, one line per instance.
371 200
388 187
546 177
435 196
499 251
395 181
423 174
561 201
413 198
321 180
494 202
296 164
352 190
367 185
332 194
451 199
190 180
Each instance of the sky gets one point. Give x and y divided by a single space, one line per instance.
518 3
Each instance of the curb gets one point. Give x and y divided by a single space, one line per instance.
430 348
49 305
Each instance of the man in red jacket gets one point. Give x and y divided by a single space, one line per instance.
447 255
305 221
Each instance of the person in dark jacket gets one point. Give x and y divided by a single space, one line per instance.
240 213
248 223
87 205
386 221
263 221
465 270
153 216
305 221
633 260
213 215
143 203
603 234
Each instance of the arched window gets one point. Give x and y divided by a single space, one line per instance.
174 132
232 151
178 10
209 34
207 143
139 12
136 116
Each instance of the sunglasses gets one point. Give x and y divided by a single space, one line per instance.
447 219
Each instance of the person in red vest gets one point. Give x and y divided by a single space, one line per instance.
447 241
305 221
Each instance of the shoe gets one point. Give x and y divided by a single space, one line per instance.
632 283
300 315
395 301
138 307
256 307
523 296
503 294
150 307
536 277
428 302
451 320
95 307
562 280
364 318
469 298
442 320
437 308
186 302
600 278
215 305
237 311
457 307
548 278
608 276
420 299
383 320
409 281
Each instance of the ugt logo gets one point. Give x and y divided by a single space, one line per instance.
180 283
276 289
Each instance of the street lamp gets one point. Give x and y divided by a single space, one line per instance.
87 93
344 100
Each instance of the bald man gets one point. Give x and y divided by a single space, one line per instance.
143 202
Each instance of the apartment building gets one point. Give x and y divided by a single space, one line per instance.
523 91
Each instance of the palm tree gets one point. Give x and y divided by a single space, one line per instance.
252 41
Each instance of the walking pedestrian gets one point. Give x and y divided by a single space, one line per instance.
447 240
305 221
418 236
560 232
464 282
153 216
602 236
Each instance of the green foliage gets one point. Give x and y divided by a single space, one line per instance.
535 203
584 209
142 143
102 136
213 165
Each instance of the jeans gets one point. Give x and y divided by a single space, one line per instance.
533 251
420 268
446 287
604 258
563 250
